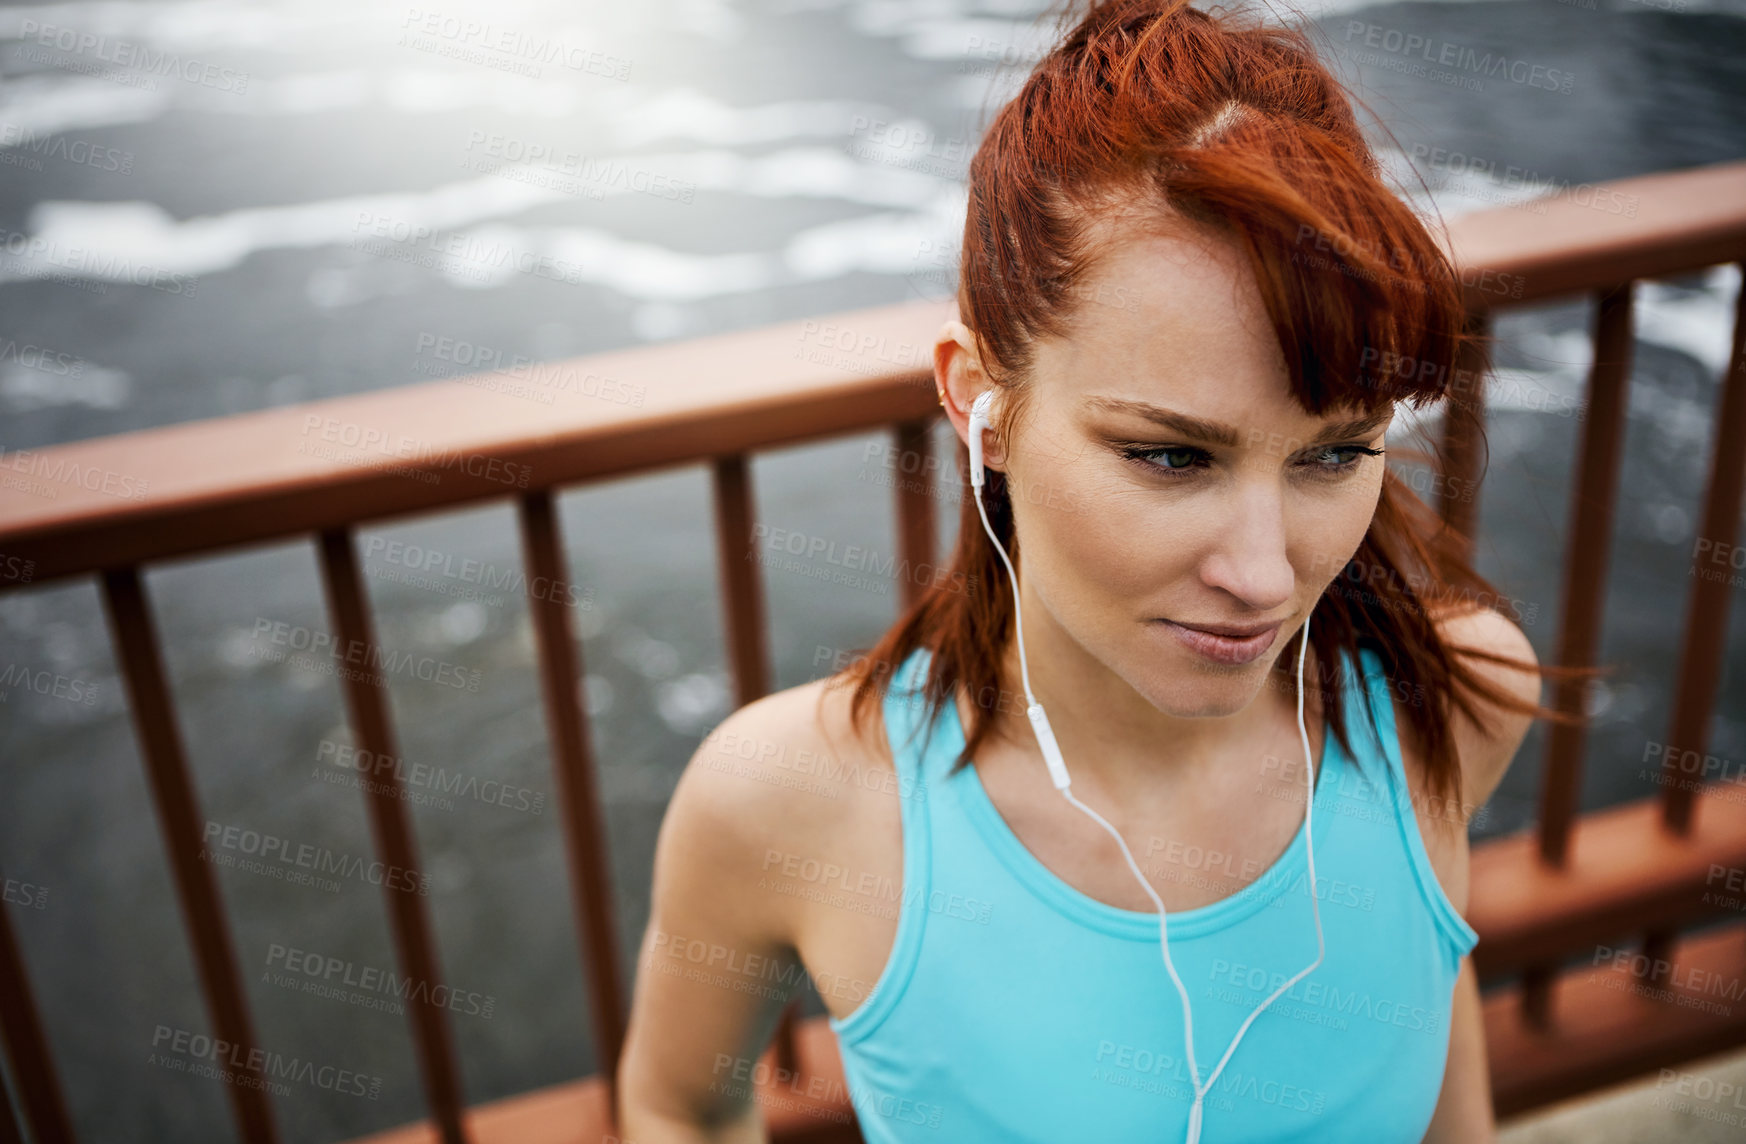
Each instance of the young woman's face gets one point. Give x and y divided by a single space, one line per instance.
1164 479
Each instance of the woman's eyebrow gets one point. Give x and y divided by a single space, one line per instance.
1220 433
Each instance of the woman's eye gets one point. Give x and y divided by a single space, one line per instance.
1336 457
1183 460
1171 458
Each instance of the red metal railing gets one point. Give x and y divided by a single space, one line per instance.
228 483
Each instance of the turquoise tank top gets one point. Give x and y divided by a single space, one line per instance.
1014 1008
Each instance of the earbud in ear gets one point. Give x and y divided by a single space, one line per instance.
978 422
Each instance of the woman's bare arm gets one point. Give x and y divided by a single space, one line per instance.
1464 1113
717 964
1464 1108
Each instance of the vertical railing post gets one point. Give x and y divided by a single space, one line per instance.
915 506
1464 434
742 586
1706 610
1706 614
1593 491
9 1130
27 1051
747 639
160 744
578 789
367 703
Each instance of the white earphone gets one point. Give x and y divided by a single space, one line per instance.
979 421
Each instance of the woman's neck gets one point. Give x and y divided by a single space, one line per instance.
1118 743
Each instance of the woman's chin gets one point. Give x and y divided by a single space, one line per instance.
1207 697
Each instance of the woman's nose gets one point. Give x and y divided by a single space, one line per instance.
1249 558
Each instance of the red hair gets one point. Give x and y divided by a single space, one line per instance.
1151 109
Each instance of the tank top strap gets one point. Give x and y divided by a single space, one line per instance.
1382 691
912 736
1373 686
912 745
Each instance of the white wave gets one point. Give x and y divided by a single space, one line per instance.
399 77
1017 33
119 238
37 106
636 269
712 19
688 114
128 235
51 102
312 93
978 40
898 244
301 26
188 25
1448 184
988 91
1697 322
24 388
1677 418
889 244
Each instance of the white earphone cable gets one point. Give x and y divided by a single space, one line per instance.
978 422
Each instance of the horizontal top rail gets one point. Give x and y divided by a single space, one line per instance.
253 477
1593 236
247 478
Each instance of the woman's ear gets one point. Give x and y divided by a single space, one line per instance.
959 378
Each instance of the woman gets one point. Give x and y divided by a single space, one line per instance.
1194 306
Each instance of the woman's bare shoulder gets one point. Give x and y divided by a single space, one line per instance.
1484 754
791 751
784 776
1485 751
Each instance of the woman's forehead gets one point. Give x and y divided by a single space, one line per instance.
1342 421
1167 307
1174 316
1235 421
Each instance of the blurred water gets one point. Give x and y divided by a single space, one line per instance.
709 166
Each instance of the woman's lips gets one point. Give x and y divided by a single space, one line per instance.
1223 649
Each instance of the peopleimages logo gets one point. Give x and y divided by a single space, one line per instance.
37 357
369 766
254 1067
427 562
495 45
22 142
58 471
339 979
287 860
816 552
1146 1069
24 894
46 683
1258 982
125 54
324 651
35 253
371 440
1459 57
